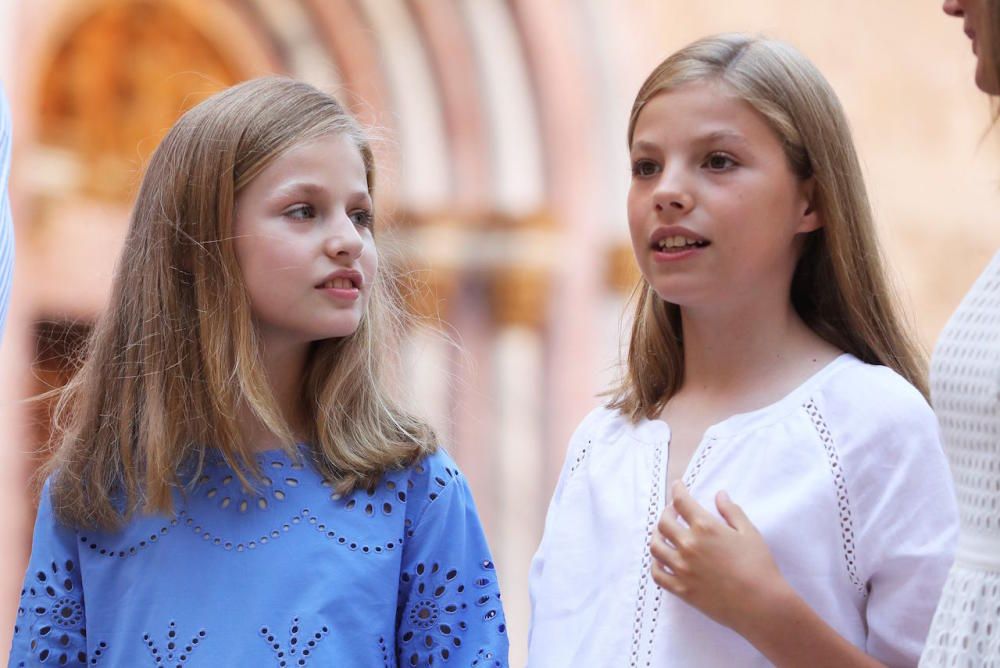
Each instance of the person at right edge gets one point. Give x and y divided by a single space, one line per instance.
965 393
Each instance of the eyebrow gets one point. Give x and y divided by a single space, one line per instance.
309 189
707 138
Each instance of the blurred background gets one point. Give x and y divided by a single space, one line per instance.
503 174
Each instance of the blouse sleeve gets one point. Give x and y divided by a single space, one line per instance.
449 608
51 617
907 517
576 457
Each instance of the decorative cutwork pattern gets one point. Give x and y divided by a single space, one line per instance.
52 613
173 654
433 616
581 457
296 653
843 500
645 574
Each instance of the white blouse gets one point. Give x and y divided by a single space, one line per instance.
844 477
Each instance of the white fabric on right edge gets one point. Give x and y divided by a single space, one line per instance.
965 389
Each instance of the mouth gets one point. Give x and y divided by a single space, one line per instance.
341 280
339 284
677 242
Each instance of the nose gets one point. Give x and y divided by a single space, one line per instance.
344 240
953 8
672 196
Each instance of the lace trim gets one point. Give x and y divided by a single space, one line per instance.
580 457
689 478
843 502
653 513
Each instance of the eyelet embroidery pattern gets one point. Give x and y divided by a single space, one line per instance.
699 462
131 550
486 659
387 661
580 457
294 654
652 514
175 656
52 612
843 502
388 498
227 493
966 628
429 628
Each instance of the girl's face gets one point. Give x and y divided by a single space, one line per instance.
714 209
974 14
303 240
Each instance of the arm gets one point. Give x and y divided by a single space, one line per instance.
51 617
727 572
449 599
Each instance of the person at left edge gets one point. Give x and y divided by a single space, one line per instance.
234 483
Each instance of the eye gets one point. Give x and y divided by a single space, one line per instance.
719 162
644 168
301 212
363 218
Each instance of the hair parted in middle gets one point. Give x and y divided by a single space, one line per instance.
175 357
839 287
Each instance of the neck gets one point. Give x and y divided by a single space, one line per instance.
284 370
739 347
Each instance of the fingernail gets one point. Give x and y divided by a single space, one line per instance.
724 496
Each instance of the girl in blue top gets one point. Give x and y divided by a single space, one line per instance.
234 484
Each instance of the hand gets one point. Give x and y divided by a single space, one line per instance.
723 569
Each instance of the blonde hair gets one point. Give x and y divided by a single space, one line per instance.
839 288
175 357
991 44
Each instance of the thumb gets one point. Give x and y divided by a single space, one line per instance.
732 513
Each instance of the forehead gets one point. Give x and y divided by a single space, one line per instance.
699 111
332 159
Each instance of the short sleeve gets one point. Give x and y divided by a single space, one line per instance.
449 610
577 453
900 485
51 618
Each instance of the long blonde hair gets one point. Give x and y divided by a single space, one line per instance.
175 356
991 43
839 288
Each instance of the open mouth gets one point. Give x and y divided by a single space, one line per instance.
339 284
678 244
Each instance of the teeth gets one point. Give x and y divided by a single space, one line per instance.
676 242
339 284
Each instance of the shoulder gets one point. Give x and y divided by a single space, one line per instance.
601 425
871 398
424 482
882 430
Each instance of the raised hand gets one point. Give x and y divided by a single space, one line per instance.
724 569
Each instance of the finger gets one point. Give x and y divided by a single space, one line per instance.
669 581
732 513
668 557
669 527
690 510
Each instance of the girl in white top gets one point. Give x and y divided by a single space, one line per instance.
766 485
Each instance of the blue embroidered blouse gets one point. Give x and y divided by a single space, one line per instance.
291 574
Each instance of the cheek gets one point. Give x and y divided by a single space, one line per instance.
636 221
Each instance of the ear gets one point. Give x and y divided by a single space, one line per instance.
810 219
